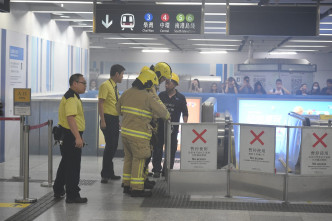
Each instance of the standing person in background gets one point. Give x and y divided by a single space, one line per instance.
195 86
315 89
231 86
302 90
176 104
279 90
109 120
246 87
214 88
258 88
72 124
328 89
93 85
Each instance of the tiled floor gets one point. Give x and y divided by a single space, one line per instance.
107 202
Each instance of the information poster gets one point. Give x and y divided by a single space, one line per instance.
316 151
257 149
199 146
22 101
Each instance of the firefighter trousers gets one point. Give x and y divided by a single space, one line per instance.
136 151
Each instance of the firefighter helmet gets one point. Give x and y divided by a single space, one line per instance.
148 78
162 69
175 78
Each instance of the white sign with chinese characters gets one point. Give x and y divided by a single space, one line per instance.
316 151
199 146
257 148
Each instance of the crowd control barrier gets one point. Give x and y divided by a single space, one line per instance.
26 131
257 170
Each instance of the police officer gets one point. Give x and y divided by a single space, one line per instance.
72 123
109 120
176 104
137 106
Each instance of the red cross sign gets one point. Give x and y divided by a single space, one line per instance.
199 136
257 137
319 140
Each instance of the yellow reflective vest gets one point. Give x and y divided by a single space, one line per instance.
137 108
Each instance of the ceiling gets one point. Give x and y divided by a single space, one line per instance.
79 14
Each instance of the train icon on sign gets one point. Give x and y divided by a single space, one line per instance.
127 21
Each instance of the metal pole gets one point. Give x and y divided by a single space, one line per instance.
49 183
26 169
168 156
286 173
20 176
229 160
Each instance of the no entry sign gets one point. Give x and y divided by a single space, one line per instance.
316 147
199 146
257 148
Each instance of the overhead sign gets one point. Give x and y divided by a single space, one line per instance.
316 147
199 146
22 101
257 148
147 19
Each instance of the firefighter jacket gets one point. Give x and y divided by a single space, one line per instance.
137 108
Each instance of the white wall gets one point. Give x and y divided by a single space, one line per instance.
323 61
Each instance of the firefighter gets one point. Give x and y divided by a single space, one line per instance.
137 106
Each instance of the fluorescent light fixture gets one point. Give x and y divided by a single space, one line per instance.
62 12
65 16
303 50
131 43
71 19
52 2
326 23
326 34
131 38
323 41
155 51
215 22
217 49
82 26
282 52
96 47
151 48
304 46
199 3
214 32
209 13
210 39
213 52
325 29
215 28
216 45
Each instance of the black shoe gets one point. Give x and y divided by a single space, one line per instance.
114 177
126 189
150 181
104 180
150 174
156 175
59 195
77 200
140 193
148 185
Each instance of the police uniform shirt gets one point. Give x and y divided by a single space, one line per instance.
71 105
175 105
108 91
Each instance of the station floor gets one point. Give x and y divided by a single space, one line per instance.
107 202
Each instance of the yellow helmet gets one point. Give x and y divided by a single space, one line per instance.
144 68
175 78
148 78
162 69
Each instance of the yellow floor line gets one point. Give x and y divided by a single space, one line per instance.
15 205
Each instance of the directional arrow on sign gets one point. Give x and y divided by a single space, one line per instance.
106 23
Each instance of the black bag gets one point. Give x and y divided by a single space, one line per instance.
58 134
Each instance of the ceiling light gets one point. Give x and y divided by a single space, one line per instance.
214 28
65 16
326 23
62 12
217 49
131 38
208 13
282 52
199 3
96 47
53 2
71 19
323 41
326 34
216 45
82 26
325 29
131 43
214 32
213 52
304 46
155 51
206 39
295 50
215 22
152 48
